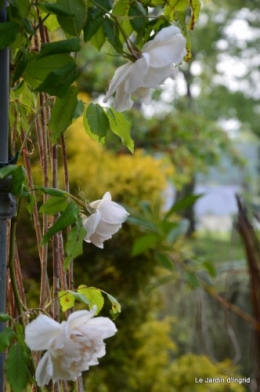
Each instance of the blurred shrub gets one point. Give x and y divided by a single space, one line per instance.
182 373
140 356
95 170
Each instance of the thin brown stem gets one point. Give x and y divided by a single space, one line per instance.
55 242
80 384
11 264
226 304
70 282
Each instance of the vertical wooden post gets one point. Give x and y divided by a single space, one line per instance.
7 205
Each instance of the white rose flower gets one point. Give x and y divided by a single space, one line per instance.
105 221
72 346
154 66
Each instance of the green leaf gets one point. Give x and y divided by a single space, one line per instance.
94 295
23 7
38 68
74 244
95 122
59 81
176 232
73 25
95 18
192 279
78 110
30 202
55 9
19 177
175 10
195 8
5 317
167 226
81 298
62 113
16 368
8 33
144 243
54 205
121 10
105 4
183 204
164 260
28 26
92 26
7 171
174 6
68 217
116 307
210 268
19 329
98 39
66 299
20 65
155 3
121 127
59 47
138 16
52 191
6 337
111 30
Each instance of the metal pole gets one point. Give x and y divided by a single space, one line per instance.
7 207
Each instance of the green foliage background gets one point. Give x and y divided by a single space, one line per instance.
147 353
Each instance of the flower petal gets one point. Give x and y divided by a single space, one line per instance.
80 317
122 99
171 52
112 212
44 370
107 229
41 332
137 74
98 240
163 35
63 372
118 78
90 224
145 94
156 76
100 327
166 48
107 196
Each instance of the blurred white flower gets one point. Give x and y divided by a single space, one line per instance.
152 68
72 346
105 221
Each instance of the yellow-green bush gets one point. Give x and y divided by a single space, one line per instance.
157 371
183 372
130 178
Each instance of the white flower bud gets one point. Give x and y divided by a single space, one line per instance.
105 221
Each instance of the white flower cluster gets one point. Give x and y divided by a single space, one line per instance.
156 63
72 346
105 221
